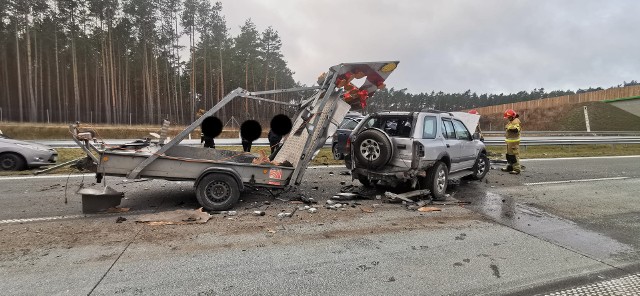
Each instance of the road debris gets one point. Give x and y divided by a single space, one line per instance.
429 209
121 219
259 213
345 196
312 210
284 215
405 196
117 210
367 209
307 200
177 217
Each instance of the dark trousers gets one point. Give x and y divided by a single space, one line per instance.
246 145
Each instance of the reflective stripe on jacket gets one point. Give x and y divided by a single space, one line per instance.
512 136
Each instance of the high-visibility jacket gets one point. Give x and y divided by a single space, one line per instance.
512 131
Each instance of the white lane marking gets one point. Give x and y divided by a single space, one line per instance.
575 181
333 166
45 177
100 215
39 219
582 158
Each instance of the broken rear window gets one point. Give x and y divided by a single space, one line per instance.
394 126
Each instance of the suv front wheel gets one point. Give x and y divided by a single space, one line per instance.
436 180
481 167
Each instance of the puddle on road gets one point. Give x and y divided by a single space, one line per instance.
548 227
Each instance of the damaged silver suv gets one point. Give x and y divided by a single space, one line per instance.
423 150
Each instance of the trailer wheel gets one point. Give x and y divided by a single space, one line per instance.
217 192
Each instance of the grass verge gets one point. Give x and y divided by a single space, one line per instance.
557 151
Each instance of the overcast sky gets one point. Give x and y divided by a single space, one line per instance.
446 45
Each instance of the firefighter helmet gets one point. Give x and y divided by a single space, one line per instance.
509 113
473 111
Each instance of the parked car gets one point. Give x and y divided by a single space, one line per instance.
339 139
420 149
18 155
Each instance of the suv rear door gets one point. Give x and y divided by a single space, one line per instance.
452 144
467 147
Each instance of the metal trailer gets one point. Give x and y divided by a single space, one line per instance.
220 176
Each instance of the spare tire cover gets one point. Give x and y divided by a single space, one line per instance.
372 148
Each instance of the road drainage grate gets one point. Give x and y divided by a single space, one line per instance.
628 285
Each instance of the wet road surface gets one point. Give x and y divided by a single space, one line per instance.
512 238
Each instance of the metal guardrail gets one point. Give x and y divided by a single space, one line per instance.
489 141
575 140
568 133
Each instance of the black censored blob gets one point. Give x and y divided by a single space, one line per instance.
211 127
250 130
281 124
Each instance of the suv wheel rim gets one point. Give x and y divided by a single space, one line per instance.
7 163
370 149
336 153
482 165
441 181
217 191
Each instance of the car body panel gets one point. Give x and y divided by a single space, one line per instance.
339 138
34 154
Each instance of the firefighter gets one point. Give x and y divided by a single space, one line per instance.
512 138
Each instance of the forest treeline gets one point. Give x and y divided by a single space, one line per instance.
128 61
401 100
119 61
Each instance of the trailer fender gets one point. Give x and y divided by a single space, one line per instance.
226 171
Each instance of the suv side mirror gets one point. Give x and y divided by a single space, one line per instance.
476 136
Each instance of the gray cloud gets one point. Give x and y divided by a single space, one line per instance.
486 46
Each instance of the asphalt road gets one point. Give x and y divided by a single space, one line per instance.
562 222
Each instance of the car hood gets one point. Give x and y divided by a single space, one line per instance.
469 120
12 141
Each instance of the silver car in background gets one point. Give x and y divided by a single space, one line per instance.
16 155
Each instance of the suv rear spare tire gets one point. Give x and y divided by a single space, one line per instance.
372 148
